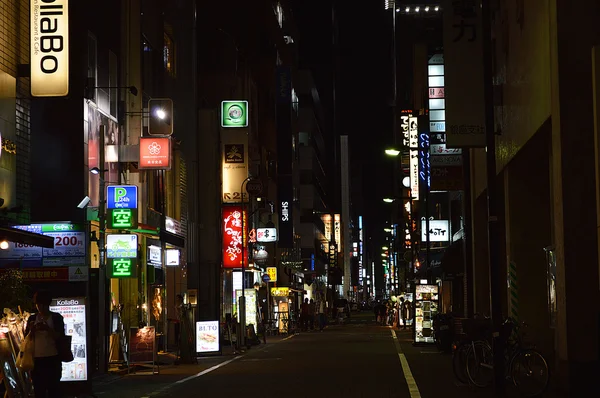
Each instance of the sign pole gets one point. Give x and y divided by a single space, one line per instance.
104 274
492 196
242 299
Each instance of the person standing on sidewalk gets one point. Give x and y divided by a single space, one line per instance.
311 314
321 314
47 328
304 315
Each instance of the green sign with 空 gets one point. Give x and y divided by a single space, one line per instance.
123 267
234 114
122 218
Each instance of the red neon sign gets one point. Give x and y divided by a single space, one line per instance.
233 238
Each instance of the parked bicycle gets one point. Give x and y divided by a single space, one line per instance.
525 366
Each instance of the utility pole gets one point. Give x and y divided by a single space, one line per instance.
492 196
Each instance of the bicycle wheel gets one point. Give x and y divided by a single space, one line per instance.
480 364
459 362
529 372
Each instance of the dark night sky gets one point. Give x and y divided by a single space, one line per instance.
364 90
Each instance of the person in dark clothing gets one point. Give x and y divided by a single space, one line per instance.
47 328
304 314
311 314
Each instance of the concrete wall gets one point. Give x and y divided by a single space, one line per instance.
522 80
528 221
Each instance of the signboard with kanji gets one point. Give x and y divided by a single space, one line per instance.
123 267
122 218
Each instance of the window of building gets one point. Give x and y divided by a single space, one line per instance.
169 54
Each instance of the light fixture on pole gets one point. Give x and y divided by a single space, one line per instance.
392 152
389 200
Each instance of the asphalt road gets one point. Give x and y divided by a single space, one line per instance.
356 359
353 360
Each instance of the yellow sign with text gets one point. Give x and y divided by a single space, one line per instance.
280 291
272 272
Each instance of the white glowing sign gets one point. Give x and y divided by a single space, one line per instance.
49 41
413 133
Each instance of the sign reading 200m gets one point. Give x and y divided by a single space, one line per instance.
49 31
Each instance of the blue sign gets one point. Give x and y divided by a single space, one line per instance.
121 197
266 278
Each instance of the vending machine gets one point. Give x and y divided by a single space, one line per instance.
426 307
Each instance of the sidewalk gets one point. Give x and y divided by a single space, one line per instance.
433 373
142 383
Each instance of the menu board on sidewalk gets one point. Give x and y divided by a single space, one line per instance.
142 344
73 312
207 336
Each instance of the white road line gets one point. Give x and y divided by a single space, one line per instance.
205 371
413 389
218 366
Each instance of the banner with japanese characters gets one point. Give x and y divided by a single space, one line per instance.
463 75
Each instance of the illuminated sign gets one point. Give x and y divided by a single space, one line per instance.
49 42
272 272
233 236
234 165
121 246
155 153
121 197
266 235
122 218
285 210
172 257
70 243
425 164
74 312
438 231
207 336
280 291
123 267
413 138
234 114
337 228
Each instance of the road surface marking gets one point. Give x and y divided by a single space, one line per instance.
413 389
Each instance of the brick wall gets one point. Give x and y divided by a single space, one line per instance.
14 50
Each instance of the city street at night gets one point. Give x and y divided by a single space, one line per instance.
356 359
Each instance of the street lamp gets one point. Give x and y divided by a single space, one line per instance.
389 200
392 152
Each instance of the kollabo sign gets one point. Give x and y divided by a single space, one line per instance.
49 32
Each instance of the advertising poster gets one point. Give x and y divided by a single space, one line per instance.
73 312
251 312
142 344
94 119
207 336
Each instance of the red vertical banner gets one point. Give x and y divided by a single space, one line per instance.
233 237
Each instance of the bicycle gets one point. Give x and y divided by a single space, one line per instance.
525 364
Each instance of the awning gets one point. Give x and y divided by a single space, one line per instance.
27 238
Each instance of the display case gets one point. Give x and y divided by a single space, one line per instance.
426 307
